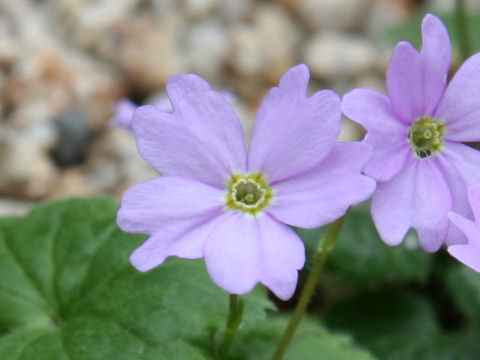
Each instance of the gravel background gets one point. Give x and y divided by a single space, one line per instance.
64 65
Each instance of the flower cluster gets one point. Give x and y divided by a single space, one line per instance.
233 206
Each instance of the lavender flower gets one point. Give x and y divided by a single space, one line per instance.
468 253
125 108
418 159
231 206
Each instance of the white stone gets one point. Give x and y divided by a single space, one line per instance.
265 48
199 8
207 48
339 14
332 54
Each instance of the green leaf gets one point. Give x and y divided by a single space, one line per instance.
399 325
463 285
361 257
311 342
67 291
392 323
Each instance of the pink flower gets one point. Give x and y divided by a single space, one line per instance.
417 133
232 206
468 253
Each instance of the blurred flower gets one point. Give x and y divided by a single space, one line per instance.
418 159
468 253
231 206
125 108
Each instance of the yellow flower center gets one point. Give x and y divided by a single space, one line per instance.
426 136
248 193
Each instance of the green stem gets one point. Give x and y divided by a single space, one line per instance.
235 314
325 246
462 29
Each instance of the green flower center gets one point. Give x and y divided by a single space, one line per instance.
426 136
248 193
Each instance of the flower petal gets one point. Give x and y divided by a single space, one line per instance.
178 213
372 110
474 200
323 194
389 156
245 250
210 117
153 205
431 203
436 56
459 166
386 134
460 105
174 150
467 254
182 239
233 254
293 133
417 197
468 227
416 81
404 83
391 205
282 255
123 114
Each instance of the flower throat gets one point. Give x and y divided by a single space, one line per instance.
426 136
248 193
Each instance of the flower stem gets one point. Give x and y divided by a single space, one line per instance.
234 319
462 29
325 246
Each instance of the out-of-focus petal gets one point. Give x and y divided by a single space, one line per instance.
323 194
174 150
123 114
233 254
417 197
153 205
208 115
436 56
293 133
459 166
460 105
282 255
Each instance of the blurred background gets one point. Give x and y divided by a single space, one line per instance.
64 65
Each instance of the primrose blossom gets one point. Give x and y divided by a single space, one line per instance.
417 132
232 206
